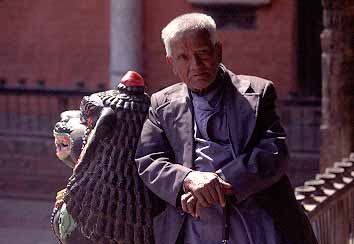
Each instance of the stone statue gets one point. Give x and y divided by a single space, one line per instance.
105 201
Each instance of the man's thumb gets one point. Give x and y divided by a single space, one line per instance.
225 184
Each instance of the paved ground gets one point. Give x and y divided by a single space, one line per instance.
25 222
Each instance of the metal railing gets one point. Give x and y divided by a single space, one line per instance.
34 111
329 202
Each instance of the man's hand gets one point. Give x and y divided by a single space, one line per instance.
189 203
206 188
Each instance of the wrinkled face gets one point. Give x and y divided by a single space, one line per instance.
195 59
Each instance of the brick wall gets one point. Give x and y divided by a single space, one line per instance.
267 50
61 42
68 41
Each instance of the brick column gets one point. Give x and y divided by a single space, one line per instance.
126 38
337 38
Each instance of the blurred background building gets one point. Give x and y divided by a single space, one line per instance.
54 52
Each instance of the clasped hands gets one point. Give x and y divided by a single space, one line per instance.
202 189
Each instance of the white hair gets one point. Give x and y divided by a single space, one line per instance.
187 22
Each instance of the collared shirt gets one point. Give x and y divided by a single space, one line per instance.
250 224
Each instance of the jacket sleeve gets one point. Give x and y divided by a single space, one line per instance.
264 160
155 159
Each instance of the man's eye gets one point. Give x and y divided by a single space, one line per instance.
182 57
203 52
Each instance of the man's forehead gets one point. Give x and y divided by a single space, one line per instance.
192 33
196 39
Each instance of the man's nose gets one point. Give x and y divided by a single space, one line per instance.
196 61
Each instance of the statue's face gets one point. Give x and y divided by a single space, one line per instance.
63 145
195 59
68 134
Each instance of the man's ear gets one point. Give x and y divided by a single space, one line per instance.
169 61
218 50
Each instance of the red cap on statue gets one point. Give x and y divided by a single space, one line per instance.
132 78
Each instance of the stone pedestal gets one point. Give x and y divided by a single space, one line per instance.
337 38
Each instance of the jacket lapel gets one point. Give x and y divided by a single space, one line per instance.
182 108
241 107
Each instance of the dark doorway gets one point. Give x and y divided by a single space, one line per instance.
310 25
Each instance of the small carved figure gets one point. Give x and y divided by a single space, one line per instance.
68 134
105 200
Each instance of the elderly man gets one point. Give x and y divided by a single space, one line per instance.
213 149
